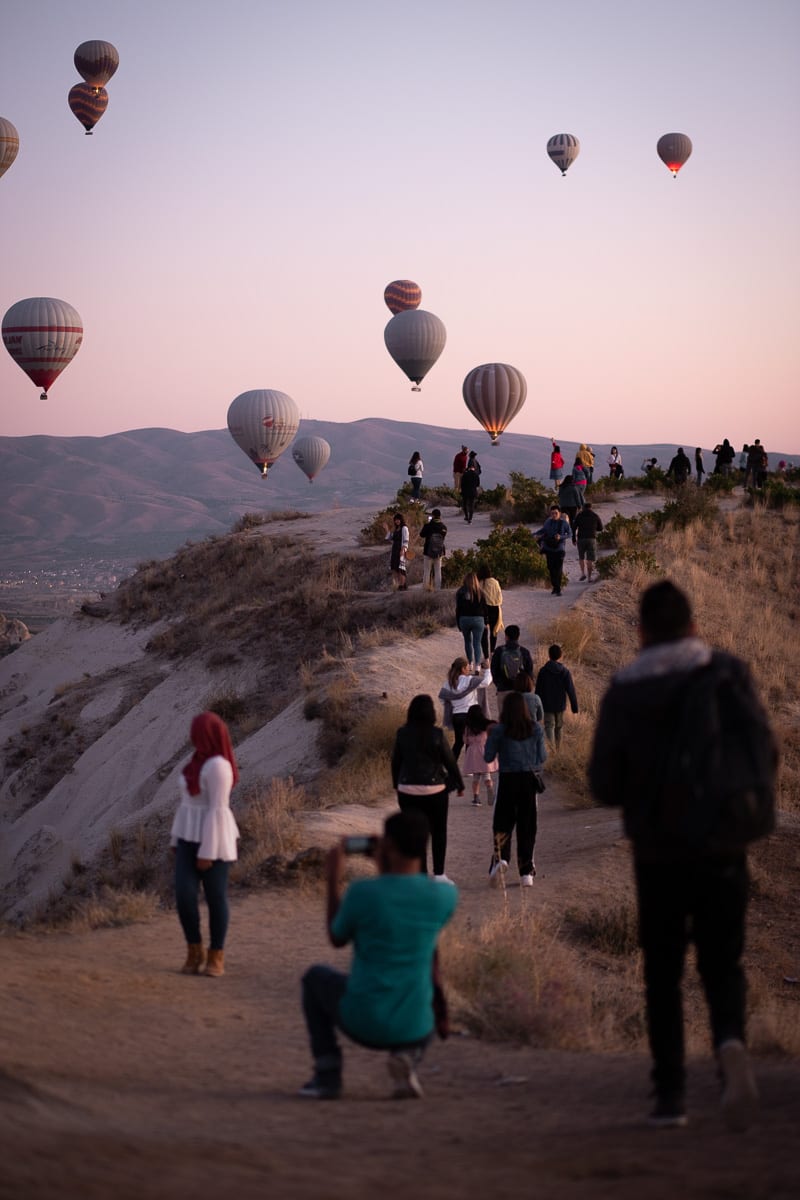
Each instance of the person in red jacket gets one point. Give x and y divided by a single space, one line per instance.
459 467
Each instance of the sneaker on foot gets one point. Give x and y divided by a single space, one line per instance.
442 878
404 1077
526 881
497 872
320 1088
740 1094
476 801
669 1112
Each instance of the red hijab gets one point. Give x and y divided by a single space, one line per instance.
210 737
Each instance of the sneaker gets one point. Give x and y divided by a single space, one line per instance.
497 872
526 881
321 1088
442 878
740 1094
582 578
669 1112
404 1077
476 801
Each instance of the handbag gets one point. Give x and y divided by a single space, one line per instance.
409 554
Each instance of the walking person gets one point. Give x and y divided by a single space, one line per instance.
475 765
680 468
509 661
518 744
579 476
585 529
683 744
415 472
458 694
424 772
525 686
553 538
433 535
698 466
471 617
398 536
554 687
470 483
493 596
570 499
203 839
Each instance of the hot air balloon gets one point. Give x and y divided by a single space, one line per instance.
43 336
263 423
494 393
402 295
88 104
9 144
415 339
311 454
563 148
674 149
96 62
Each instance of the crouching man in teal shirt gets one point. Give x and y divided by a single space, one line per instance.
387 1000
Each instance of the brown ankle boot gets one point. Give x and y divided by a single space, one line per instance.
215 963
194 959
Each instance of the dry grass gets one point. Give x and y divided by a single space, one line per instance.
267 819
113 907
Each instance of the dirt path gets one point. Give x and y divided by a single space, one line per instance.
121 1078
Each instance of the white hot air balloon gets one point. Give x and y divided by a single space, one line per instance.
563 149
311 454
42 335
263 423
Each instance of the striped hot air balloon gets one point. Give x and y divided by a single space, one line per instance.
9 144
494 393
262 423
415 339
673 150
88 104
563 149
42 335
311 454
96 62
401 295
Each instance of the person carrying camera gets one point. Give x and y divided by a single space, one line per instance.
387 1001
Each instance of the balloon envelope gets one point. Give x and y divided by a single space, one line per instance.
494 393
9 144
563 149
415 339
88 104
42 335
311 454
96 62
401 295
673 150
263 423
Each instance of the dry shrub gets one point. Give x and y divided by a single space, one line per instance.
612 929
113 907
363 775
268 825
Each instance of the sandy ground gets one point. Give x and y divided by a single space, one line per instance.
121 1078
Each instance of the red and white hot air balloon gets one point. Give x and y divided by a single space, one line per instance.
262 423
42 335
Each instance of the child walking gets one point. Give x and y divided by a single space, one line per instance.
474 762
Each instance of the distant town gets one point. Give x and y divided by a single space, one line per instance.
40 595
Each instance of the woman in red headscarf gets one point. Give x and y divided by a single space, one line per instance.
203 837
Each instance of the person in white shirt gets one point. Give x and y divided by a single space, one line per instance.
203 839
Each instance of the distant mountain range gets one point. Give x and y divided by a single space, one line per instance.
143 493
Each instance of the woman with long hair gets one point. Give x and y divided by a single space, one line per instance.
398 536
415 470
424 772
517 743
203 839
493 599
471 617
458 693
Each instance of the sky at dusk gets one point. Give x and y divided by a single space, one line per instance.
264 169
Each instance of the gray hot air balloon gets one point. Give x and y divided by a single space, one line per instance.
263 423
673 150
415 339
311 454
563 148
494 393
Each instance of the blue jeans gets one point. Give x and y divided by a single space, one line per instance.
416 484
215 886
472 630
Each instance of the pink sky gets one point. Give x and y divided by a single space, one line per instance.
263 170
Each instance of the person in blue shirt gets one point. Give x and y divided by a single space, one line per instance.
553 538
387 1001
517 742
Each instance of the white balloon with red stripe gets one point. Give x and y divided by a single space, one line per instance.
262 423
42 335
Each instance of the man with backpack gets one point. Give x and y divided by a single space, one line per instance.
433 534
683 744
509 660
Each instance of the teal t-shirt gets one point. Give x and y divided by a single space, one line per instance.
393 922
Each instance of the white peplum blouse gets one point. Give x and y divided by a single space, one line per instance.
207 818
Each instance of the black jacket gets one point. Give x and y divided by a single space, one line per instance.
424 756
498 678
587 524
554 686
467 607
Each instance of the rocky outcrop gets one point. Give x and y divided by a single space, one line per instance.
12 634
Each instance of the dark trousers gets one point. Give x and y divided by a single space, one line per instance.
489 637
434 809
459 725
555 565
515 806
704 902
215 887
468 505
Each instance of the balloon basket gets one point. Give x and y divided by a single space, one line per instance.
416 389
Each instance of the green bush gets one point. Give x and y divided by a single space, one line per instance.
493 497
512 555
636 556
775 494
690 504
414 514
628 529
530 499
722 484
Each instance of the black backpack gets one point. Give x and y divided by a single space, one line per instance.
434 544
714 791
511 662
